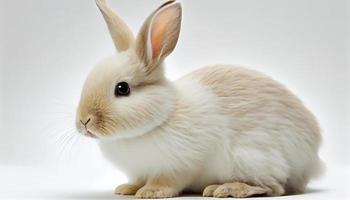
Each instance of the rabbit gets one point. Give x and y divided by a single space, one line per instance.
221 130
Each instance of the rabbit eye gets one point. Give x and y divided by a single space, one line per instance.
122 89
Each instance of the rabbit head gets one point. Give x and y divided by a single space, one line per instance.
127 94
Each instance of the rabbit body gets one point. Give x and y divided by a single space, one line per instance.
221 130
227 124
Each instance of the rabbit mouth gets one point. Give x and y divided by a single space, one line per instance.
89 134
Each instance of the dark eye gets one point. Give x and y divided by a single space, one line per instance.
122 89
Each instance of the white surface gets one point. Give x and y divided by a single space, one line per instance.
48 47
37 183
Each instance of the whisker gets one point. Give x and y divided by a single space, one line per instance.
65 146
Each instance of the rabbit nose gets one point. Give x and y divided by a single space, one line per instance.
86 122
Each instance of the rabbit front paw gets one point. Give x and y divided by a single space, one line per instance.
154 192
127 189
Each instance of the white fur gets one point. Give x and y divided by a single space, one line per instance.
217 125
204 142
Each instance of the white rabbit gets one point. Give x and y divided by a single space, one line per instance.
221 130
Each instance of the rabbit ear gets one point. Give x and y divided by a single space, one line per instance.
159 34
120 32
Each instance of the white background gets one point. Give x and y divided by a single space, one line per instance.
48 47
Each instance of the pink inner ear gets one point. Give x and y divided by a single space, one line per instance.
159 28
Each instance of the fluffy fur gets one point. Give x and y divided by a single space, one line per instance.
234 130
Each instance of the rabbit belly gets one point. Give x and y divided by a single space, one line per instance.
283 164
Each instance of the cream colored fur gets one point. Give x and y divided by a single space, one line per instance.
221 124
